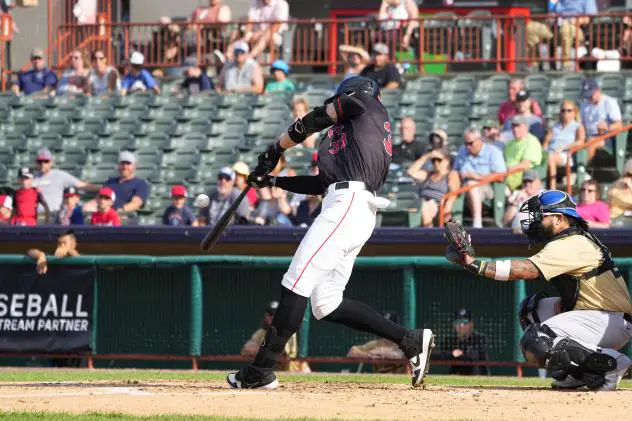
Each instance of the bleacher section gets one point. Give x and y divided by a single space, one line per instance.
188 139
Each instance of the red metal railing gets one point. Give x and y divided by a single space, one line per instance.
500 42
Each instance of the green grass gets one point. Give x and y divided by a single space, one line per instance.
133 376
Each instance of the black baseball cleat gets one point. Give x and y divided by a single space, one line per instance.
417 346
252 378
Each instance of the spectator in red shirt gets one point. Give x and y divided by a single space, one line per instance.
105 214
26 199
6 208
509 108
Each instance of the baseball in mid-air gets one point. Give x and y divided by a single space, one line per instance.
201 201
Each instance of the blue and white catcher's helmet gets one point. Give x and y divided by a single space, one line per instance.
549 202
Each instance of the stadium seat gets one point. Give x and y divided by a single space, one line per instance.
118 141
98 174
60 126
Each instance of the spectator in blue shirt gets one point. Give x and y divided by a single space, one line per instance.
600 114
138 79
70 212
178 214
38 79
131 193
475 161
196 80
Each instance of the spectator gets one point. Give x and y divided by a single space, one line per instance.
266 24
409 149
178 214
51 182
195 80
221 198
106 215
70 212
75 81
509 108
242 74
131 193
307 211
600 114
251 347
66 247
463 344
6 208
620 194
565 134
381 349
531 185
104 79
523 108
216 12
26 200
475 161
395 14
281 83
524 152
491 133
299 110
593 210
167 46
355 58
273 208
38 79
241 175
434 185
438 140
381 70
138 79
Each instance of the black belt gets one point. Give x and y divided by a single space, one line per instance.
627 317
345 185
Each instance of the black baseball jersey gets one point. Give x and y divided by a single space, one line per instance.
358 149
474 348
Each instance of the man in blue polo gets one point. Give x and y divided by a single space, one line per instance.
39 79
476 160
130 192
600 113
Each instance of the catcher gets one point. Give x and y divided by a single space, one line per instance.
576 335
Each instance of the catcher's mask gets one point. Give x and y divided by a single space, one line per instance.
549 202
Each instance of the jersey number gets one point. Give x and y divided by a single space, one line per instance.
388 141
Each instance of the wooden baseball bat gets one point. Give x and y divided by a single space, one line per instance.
218 229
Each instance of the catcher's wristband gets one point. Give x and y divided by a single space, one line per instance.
477 267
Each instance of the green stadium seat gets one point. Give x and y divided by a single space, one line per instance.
60 126
104 158
121 126
5 176
151 142
182 159
202 126
177 175
149 173
98 174
168 112
49 140
118 141
135 99
16 141
104 112
7 156
72 157
85 141
278 114
18 128
78 101
89 125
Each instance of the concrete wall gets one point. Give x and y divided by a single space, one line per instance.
149 10
32 23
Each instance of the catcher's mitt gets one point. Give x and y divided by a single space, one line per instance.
458 238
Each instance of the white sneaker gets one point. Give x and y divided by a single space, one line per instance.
420 363
614 377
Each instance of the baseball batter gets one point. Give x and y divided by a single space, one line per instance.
353 161
576 335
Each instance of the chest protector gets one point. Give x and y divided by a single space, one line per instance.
568 285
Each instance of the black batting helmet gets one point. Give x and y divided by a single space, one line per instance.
358 84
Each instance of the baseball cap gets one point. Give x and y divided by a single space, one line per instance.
228 172
6 201
280 65
589 87
25 173
441 133
272 307
127 156
490 123
530 175
380 48
71 191
241 168
37 53
179 191
44 155
241 46
463 314
107 192
522 95
519 119
137 58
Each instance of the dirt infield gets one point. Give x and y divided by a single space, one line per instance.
309 399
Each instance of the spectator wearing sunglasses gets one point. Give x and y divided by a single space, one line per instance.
221 198
566 133
596 212
74 81
51 182
104 79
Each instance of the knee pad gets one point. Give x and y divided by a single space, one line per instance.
324 302
536 344
528 312
582 363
